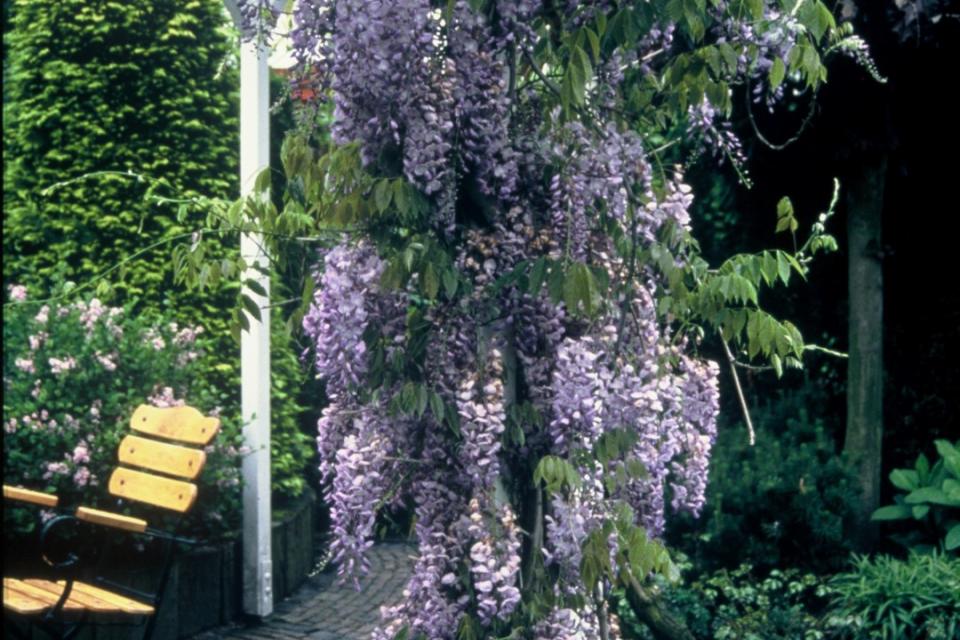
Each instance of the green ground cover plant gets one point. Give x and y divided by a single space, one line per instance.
893 599
929 499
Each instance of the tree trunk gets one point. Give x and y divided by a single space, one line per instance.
651 612
864 435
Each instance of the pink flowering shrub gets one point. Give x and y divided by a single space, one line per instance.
73 373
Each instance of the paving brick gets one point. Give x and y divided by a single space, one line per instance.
322 609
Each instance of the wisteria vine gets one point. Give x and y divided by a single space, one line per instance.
531 338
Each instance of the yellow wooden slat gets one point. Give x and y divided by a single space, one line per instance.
160 456
125 604
115 520
88 602
40 595
175 495
26 495
185 424
19 602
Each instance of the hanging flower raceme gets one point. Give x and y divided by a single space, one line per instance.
338 316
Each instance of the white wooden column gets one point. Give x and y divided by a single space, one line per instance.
255 343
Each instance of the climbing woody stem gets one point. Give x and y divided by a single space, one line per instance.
736 383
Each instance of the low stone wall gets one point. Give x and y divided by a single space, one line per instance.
205 587
208 581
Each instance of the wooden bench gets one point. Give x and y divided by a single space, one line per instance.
158 464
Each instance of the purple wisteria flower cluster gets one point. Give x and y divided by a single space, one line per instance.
503 374
339 315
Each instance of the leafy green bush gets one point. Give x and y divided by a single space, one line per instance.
101 89
291 450
113 86
73 375
781 502
896 599
931 499
741 605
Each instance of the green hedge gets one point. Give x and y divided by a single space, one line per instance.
148 87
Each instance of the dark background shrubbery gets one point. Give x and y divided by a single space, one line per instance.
779 503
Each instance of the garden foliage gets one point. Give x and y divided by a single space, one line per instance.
892 599
73 375
744 603
110 108
113 86
782 502
883 597
930 499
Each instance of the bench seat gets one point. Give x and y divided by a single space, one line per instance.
33 596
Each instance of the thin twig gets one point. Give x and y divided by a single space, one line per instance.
752 367
803 125
736 383
829 352
401 459
536 69
631 272
103 274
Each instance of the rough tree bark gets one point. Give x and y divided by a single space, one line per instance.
651 611
864 433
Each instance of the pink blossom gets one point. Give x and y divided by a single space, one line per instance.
25 364
107 360
37 340
185 336
80 454
158 343
56 468
81 477
187 357
165 398
43 315
18 292
10 426
58 365
92 313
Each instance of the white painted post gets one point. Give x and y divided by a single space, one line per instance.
255 343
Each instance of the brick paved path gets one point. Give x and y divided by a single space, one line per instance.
324 610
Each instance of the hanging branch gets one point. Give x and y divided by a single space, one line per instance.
736 383
803 125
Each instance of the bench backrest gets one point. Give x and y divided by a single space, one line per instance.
157 470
